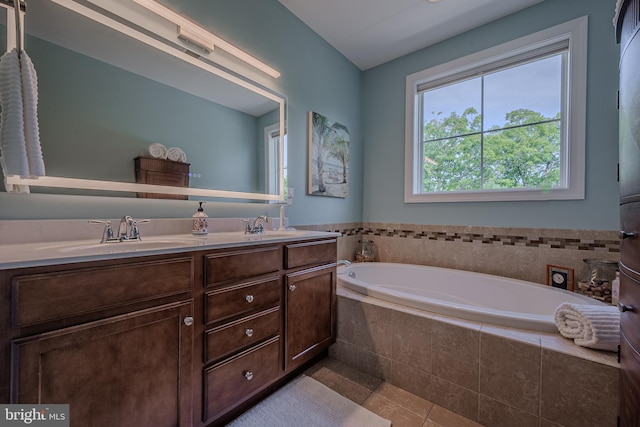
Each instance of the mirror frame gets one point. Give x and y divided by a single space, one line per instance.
103 185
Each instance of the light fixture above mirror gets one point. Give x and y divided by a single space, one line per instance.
201 37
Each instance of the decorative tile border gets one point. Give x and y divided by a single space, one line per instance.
504 240
583 240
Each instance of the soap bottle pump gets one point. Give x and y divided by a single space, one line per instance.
200 223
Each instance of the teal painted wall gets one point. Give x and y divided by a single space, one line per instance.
383 114
314 77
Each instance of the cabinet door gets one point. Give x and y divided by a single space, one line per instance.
629 385
629 128
129 370
310 313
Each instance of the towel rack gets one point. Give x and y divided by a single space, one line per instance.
10 4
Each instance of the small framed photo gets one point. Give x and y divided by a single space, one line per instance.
560 277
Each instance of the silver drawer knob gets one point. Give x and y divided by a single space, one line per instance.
292 288
188 320
249 298
248 375
248 332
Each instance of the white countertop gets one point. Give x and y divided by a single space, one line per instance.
72 251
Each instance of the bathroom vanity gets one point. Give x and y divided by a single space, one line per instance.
189 336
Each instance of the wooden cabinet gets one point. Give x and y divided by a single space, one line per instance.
132 369
309 291
242 342
267 311
627 29
182 340
114 340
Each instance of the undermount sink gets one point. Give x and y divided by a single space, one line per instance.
91 248
160 243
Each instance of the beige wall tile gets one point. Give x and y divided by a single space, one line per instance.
510 372
411 342
496 414
345 351
577 392
413 380
373 331
456 352
458 399
374 364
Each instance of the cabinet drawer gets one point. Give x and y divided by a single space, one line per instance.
243 299
227 267
310 253
231 382
57 295
226 339
629 320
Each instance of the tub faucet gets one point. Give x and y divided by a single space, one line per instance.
343 262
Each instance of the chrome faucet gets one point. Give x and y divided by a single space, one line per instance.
123 229
343 262
257 226
127 229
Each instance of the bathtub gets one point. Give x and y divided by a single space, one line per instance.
471 296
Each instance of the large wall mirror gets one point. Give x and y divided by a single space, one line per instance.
109 87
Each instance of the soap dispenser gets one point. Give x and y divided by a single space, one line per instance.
200 223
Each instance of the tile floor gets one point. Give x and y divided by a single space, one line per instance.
404 409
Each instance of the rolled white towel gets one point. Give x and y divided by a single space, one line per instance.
176 154
155 150
592 326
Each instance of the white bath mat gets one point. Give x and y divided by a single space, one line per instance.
306 402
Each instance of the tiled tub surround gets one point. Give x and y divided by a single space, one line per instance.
519 253
496 376
493 375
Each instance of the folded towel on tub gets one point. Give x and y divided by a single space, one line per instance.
176 154
155 150
592 326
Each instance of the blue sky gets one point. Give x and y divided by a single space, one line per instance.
535 86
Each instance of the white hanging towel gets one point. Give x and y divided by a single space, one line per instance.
20 151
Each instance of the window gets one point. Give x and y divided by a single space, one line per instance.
506 123
272 144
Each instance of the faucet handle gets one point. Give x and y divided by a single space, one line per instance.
247 226
135 231
107 233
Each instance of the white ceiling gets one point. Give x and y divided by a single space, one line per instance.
371 32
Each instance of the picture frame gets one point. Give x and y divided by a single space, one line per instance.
328 173
560 277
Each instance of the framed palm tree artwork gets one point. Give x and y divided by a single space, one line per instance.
328 157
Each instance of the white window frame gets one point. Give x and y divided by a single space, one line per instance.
574 116
275 148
